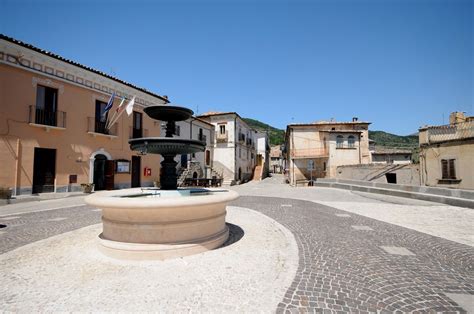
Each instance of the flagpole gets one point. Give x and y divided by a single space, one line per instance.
109 122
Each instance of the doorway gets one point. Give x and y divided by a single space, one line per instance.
184 160
136 166
44 170
99 172
391 177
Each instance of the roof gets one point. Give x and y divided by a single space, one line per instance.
203 121
328 123
58 57
217 113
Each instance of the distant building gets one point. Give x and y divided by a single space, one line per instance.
325 145
234 146
276 159
262 167
391 155
447 153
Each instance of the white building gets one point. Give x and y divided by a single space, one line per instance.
234 146
199 164
263 156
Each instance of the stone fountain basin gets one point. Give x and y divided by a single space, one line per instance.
166 145
159 227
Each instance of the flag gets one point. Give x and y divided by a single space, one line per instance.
109 105
116 114
129 107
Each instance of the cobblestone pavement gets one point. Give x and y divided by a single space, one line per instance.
345 264
26 228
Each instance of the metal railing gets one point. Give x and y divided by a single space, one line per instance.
309 152
451 132
95 125
222 138
47 117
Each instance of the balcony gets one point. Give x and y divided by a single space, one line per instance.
319 152
222 137
40 117
249 142
452 132
96 127
202 138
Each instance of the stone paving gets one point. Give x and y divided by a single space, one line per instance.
345 269
347 260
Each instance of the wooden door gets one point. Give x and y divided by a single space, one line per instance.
109 174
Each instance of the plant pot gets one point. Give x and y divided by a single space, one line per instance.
87 188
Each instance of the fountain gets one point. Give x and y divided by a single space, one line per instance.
148 223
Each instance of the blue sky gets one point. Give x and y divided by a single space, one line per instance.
399 64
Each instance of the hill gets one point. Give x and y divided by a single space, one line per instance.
276 136
385 139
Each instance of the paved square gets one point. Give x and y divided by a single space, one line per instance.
397 250
57 219
362 228
343 215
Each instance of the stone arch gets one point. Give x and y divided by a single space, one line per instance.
92 159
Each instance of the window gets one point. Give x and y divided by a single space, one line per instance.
240 152
339 141
324 166
351 141
448 169
222 129
100 118
137 125
208 158
46 105
177 130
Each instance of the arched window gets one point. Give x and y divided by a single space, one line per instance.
339 141
351 141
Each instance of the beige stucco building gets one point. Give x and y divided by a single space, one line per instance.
235 148
447 153
52 136
325 145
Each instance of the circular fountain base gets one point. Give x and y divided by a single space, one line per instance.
143 224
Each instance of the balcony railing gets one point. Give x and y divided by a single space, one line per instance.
47 117
451 132
309 152
249 142
95 125
222 137
202 138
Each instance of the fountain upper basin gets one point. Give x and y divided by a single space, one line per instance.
166 145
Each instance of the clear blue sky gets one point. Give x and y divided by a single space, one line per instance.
399 64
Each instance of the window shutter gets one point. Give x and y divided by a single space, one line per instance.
444 169
452 169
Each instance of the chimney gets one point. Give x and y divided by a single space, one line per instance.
457 117
355 119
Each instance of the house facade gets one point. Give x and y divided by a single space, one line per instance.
315 150
234 146
263 155
53 135
199 164
382 155
276 159
447 153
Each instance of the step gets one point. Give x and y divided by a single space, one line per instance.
449 200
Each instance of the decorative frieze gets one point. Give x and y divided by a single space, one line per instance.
47 82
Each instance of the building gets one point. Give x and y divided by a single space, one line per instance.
262 167
315 150
52 128
385 155
447 153
234 146
196 165
276 159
